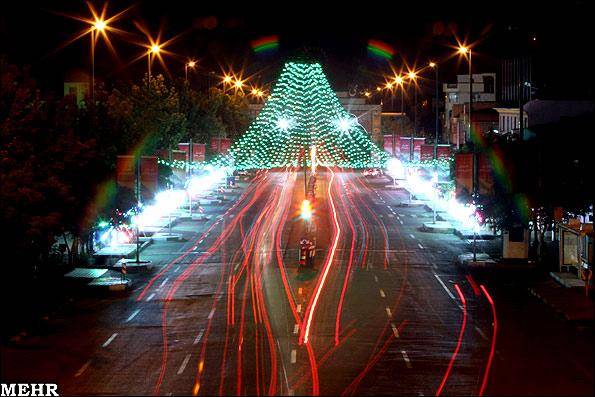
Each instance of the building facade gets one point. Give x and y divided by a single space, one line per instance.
456 102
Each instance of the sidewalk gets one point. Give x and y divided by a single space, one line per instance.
570 303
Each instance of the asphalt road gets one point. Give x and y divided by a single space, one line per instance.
383 311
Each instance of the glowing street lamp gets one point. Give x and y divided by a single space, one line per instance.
412 75
154 50
190 64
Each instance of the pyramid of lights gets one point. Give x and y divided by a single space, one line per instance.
303 115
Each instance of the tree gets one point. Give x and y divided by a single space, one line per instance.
303 111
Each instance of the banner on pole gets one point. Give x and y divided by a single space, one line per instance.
463 173
404 146
443 152
125 175
485 176
149 176
426 152
388 144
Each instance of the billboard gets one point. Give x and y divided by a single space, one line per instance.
463 173
125 172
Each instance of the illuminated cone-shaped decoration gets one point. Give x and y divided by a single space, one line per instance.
303 111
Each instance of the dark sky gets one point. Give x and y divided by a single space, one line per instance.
33 31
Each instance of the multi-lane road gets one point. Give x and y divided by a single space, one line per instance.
383 311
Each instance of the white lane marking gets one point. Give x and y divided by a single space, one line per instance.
163 283
299 291
200 241
376 278
382 294
176 269
444 286
382 216
299 308
395 330
391 216
110 339
412 236
195 247
406 358
211 313
184 363
197 339
296 329
82 369
388 206
133 315
401 221
151 297
420 246
293 356
480 332
388 312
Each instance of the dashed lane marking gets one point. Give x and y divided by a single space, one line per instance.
198 337
444 286
406 358
401 221
300 291
388 312
395 330
110 339
375 278
184 363
151 297
293 356
176 269
211 313
163 283
480 332
412 236
296 329
299 308
82 369
420 246
133 315
382 294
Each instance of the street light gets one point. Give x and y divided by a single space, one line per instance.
99 26
434 66
399 80
190 64
154 50
466 52
412 75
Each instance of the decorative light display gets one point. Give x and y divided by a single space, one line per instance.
302 112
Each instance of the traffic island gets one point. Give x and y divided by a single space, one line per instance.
167 237
411 203
481 260
438 227
112 284
570 303
132 265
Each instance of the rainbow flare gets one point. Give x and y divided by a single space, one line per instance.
380 49
266 43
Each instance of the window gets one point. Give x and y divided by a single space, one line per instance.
488 84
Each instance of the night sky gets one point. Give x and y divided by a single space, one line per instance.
219 34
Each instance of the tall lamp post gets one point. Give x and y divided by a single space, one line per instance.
466 51
399 82
434 66
99 26
413 76
154 50
191 65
